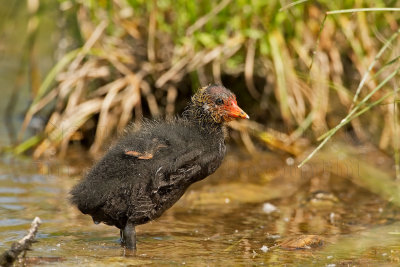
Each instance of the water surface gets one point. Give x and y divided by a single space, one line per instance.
320 218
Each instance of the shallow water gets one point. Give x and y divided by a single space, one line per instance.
320 218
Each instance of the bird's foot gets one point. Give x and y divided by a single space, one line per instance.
121 238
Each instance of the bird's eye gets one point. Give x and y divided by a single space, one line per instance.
219 101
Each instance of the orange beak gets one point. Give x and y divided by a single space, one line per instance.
235 112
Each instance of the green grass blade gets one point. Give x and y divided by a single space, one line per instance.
295 3
27 144
327 136
353 10
381 51
365 99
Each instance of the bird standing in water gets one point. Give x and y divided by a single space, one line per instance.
150 168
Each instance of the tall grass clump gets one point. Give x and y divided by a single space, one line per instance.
299 68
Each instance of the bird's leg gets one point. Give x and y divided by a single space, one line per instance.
129 236
121 236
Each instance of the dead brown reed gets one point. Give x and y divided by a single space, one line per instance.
300 65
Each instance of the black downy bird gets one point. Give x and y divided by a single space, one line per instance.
150 168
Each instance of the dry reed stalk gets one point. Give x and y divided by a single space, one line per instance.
151 54
140 53
68 124
172 93
75 96
216 70
102 131
298 105
204 19
201 74
249 68
273 139
289 86
151 99
320 74
94 37
358 59
248 143
282 87
105 88
130 99
190 63
172 72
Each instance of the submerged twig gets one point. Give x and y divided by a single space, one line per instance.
23 245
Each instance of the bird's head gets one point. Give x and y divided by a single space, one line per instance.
217 103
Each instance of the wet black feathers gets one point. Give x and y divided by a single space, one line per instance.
148 170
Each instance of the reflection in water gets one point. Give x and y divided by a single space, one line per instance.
320 218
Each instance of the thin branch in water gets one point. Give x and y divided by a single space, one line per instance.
23 245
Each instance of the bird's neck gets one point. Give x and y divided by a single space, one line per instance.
197 115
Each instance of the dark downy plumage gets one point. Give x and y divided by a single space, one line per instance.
150 168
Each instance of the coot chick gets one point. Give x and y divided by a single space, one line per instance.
150 168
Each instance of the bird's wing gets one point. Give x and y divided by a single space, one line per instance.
148 151
184 166
172 160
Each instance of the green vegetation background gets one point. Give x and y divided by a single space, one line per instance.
298 68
